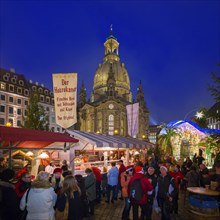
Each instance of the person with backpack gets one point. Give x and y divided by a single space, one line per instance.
138 188
166 192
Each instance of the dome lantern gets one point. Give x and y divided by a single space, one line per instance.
111 47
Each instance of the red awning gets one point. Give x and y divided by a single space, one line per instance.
28 138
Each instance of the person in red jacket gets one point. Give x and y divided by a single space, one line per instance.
146 188
98 176
23 184
121 170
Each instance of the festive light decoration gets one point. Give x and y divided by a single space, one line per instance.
29 153
199 115
43 156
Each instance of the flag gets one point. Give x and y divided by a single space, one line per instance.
133 119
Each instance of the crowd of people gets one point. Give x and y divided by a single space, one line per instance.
150 186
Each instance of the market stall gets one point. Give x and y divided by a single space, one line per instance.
100 150
42 145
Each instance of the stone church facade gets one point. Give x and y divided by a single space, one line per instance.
105 112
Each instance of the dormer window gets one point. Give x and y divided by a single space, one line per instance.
26 92
21 82
6 78
42 98
40 90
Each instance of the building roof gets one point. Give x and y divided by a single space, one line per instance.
189 125
112 141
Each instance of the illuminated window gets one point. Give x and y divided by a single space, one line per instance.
111 124
2 86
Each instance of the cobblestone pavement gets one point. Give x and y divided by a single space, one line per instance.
105 211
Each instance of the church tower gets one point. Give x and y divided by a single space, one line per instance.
106 112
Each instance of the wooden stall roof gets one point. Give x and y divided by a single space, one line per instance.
29 138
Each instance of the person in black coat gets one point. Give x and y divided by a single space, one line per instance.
152 177
72 192
84 200
166 193
9 205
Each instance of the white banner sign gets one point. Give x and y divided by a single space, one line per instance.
133 119
65 99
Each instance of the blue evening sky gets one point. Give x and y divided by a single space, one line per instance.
170 45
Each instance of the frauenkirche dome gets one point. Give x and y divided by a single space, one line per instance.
111 68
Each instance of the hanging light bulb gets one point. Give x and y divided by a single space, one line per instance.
136 153
43 155
29 153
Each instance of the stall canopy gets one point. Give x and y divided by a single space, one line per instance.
29 138
114 141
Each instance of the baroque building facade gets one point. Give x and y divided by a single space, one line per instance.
15 90
106 112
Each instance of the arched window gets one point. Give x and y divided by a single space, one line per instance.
111 124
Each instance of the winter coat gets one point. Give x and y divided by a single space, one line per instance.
125 178
74 205
121 170
113 176
21 187
40 202
192 178
146 186
153 181
9 205
60 184
166 187
90 184
97 173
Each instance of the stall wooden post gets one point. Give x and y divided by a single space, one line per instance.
71 159
127 157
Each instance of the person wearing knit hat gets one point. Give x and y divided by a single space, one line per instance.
129 168
163 168
57 179
167 191
138 169
138 188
